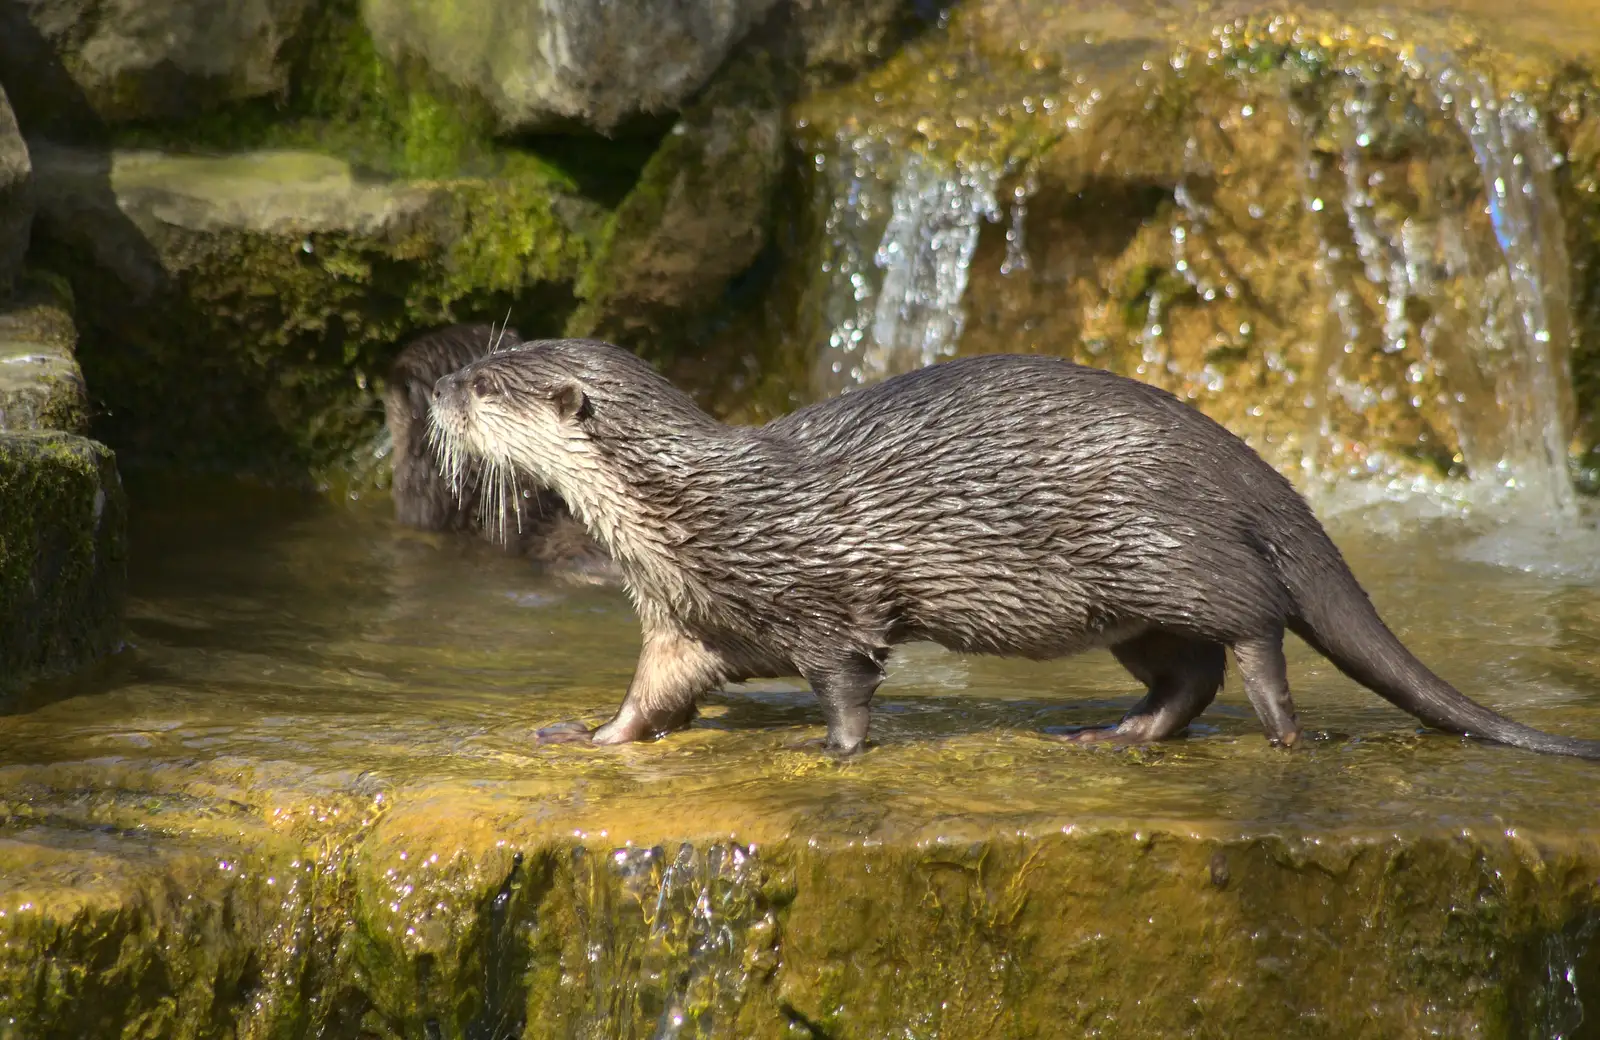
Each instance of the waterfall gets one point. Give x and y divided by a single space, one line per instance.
897 305
1494 293
1529 359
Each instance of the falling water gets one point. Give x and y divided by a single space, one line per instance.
1495 297
671 939
898 306
1530 357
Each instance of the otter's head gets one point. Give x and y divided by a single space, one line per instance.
577 416
421 497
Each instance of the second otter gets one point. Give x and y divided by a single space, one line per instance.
1023 506
527 520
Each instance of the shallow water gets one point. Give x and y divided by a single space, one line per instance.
326 639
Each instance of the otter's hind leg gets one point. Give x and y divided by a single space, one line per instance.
845 689
1266 683
672 671
1183 676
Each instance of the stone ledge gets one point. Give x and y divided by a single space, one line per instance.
289 900
41 386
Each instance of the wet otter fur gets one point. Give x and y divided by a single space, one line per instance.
1014 505
525 520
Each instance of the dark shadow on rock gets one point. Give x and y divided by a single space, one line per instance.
58 119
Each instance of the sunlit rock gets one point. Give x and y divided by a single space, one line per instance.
586 60
1349 235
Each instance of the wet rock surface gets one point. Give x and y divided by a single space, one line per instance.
41 386
1331 227
307 803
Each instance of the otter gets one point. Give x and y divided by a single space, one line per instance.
531 521
1014 505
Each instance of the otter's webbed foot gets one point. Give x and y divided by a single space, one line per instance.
1107 734
845 688
565 733
1182 675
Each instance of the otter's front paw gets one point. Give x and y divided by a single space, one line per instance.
565 733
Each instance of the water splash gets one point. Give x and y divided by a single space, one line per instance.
1483 306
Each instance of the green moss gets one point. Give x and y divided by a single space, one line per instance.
278 340
345 98
62 553
41 387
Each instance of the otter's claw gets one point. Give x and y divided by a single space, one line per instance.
565 733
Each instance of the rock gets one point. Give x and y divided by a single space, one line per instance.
127 60
698 216
62 514
41 386
1288 218
485 880
267 291
16 196
588 60
311 806
62 553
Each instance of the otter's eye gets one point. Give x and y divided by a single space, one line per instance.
481 387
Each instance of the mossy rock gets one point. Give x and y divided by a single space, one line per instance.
41 386
699 215
238 312
196 899
16 196
63 555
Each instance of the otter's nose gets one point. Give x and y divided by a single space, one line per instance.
446 384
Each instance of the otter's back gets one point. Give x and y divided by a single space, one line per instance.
1027 495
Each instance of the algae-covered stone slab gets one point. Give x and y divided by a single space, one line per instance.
570 905
63 555
16 195
123 60
587 60
41 386
266 292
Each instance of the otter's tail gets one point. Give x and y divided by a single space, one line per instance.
1339 621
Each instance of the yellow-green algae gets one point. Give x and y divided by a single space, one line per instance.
308 804
62 553
1121 128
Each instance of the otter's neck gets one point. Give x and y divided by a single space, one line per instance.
658 504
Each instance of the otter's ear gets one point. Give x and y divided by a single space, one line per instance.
570 401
